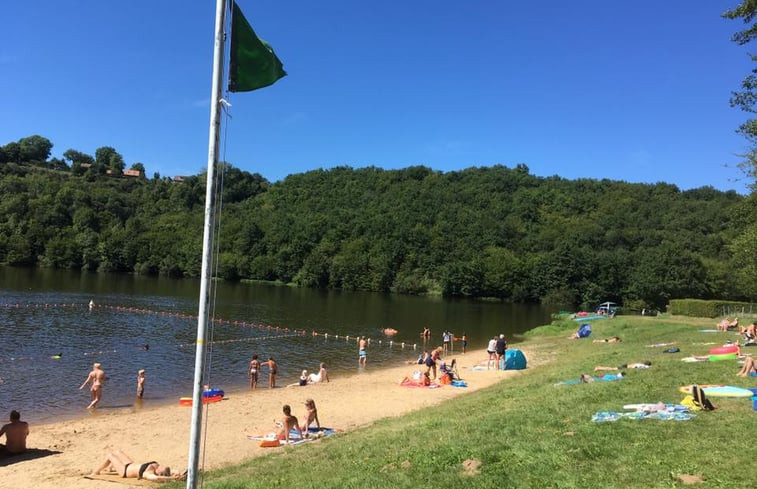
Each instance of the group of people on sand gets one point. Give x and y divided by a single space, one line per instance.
289 423
307 379
433 362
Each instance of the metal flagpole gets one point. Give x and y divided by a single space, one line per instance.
207 245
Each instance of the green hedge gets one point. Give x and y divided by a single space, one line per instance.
707 309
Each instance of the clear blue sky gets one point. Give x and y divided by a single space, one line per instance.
636 91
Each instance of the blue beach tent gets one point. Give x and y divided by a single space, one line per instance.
515 360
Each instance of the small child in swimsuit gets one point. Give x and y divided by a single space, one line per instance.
140 384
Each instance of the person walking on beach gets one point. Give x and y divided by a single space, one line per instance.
97 378
141 383
254 372
362 354
272 369
464 342
15 435
492 351
500 346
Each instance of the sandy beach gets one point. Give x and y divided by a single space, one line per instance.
71 449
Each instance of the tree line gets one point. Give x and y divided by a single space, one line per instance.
490 232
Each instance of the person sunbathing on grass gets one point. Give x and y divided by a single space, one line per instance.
600 368
723 324
749 333
588 378
121 464
749 367
613 339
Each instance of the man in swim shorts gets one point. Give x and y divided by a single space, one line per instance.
97 378
362 355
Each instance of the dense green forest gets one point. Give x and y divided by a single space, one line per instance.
494 232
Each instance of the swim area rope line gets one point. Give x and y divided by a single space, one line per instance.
270 331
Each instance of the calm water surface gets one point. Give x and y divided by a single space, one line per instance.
45 313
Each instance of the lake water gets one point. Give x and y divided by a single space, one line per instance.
50 337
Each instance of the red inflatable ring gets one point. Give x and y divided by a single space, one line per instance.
724 350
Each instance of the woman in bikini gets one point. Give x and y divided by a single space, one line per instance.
311 416
97 377
254 371
120 463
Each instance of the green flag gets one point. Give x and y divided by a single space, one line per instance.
253 63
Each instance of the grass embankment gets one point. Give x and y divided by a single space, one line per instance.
525 432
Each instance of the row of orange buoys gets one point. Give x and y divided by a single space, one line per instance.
267 328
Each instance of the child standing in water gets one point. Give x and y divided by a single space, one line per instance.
140 383
271 364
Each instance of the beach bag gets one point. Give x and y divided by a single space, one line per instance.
584 330
446 379
700 399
